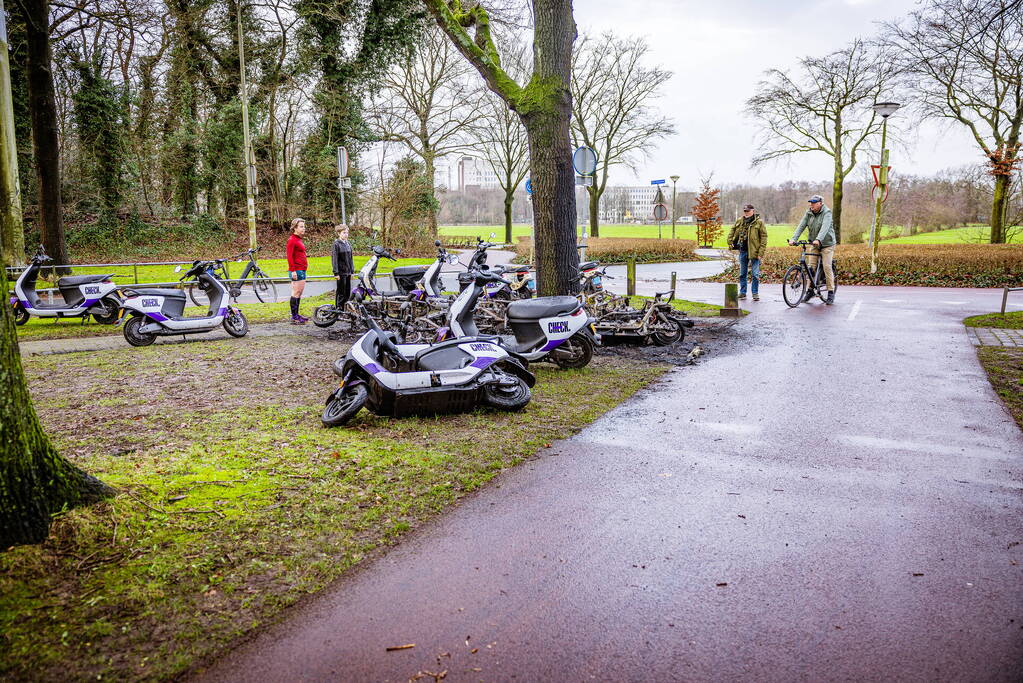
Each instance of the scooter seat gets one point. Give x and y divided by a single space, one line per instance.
409 270
152 291
544 307
75 280
515 268
589 265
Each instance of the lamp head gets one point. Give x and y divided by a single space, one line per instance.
674 178
886 109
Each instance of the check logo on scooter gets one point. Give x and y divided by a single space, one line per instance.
557 327
148 303
91 290
482 347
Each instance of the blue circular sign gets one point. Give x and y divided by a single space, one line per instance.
529 186
584 160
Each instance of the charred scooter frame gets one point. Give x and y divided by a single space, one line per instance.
422 379
84 295
160 312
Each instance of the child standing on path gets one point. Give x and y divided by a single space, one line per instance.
341 260
297 265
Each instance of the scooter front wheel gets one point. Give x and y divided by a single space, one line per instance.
134 334
343 404
508 393
325 315
21 316
106 311
235 323
674 334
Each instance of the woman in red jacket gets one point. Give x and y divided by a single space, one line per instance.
297 265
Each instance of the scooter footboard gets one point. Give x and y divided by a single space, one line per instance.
426 401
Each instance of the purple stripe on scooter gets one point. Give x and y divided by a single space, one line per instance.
158 317
223 310
482 362
373 368
552 343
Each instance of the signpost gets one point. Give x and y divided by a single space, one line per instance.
657 182
343 180
584 161
660 210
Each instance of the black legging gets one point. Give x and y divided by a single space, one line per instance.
344 290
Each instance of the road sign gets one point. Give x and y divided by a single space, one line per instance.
529 186
342 162
660 212
657 182
659 198
346 183
584 180
584 160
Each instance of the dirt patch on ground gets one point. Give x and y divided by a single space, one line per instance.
714 336
1004 367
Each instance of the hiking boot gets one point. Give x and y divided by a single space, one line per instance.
808 295
756 297
297 320
831 298
741 297
303 318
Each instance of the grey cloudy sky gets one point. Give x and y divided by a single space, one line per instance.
718 51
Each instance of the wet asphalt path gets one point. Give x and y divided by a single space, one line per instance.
835 495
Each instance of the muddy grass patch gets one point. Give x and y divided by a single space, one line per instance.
234 502
1004 367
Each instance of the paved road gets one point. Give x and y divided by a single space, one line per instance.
837 496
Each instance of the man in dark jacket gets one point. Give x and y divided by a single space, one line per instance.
341 261
749 237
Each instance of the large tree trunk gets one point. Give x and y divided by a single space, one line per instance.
550 148
44 129
998 206
509 199
35 481
837 189
12 236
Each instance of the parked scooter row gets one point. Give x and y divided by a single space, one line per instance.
83 295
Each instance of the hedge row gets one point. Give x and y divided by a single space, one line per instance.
618 249
924 265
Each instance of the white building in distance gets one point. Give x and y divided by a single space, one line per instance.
635 203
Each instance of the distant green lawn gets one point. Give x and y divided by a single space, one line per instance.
953 236
776 234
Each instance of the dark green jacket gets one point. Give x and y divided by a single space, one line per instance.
818 227
757 236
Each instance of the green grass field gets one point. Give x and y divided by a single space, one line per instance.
776 234
968 235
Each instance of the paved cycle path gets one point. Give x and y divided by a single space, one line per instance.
836 498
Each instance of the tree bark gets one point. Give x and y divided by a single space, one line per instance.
44 128
837 190
509 199
429 163
998 206
594 196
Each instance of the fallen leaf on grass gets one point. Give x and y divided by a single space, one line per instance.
722 584
400 647
918 573
742 516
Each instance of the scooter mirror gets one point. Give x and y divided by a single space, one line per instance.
436 243
493 235
452 258
177 269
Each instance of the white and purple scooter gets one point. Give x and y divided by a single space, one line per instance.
84 295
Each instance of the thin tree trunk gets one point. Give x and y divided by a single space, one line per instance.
42 102
429 164
836 196
594 196
509 198
998 207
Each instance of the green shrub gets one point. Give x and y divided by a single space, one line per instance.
617 250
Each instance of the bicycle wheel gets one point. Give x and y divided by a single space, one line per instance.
822 282
793 286
264 288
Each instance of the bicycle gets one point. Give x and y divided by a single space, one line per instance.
800 283
262 285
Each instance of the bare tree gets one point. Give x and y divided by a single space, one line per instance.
825 108
427 103
612 93
965 58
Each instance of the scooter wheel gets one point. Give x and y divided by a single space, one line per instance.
670 336
105 313
343 404
511 393
133 333
576 352
20 315
235 323
325 315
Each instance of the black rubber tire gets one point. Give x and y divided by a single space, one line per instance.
235 323
132 334
669 338
581 358
111 309
510 397
343 404
194 294
793 286
324 315
21 316
264 288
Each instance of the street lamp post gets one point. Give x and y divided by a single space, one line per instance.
674 179
884 109
250 158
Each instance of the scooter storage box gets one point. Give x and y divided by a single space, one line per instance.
174 306
464 280
406 277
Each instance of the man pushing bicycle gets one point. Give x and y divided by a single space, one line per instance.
821 233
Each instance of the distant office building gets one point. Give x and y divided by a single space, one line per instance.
634 203
474 172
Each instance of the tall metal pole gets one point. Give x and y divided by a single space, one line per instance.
882 175
250 158
11 230
674 179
